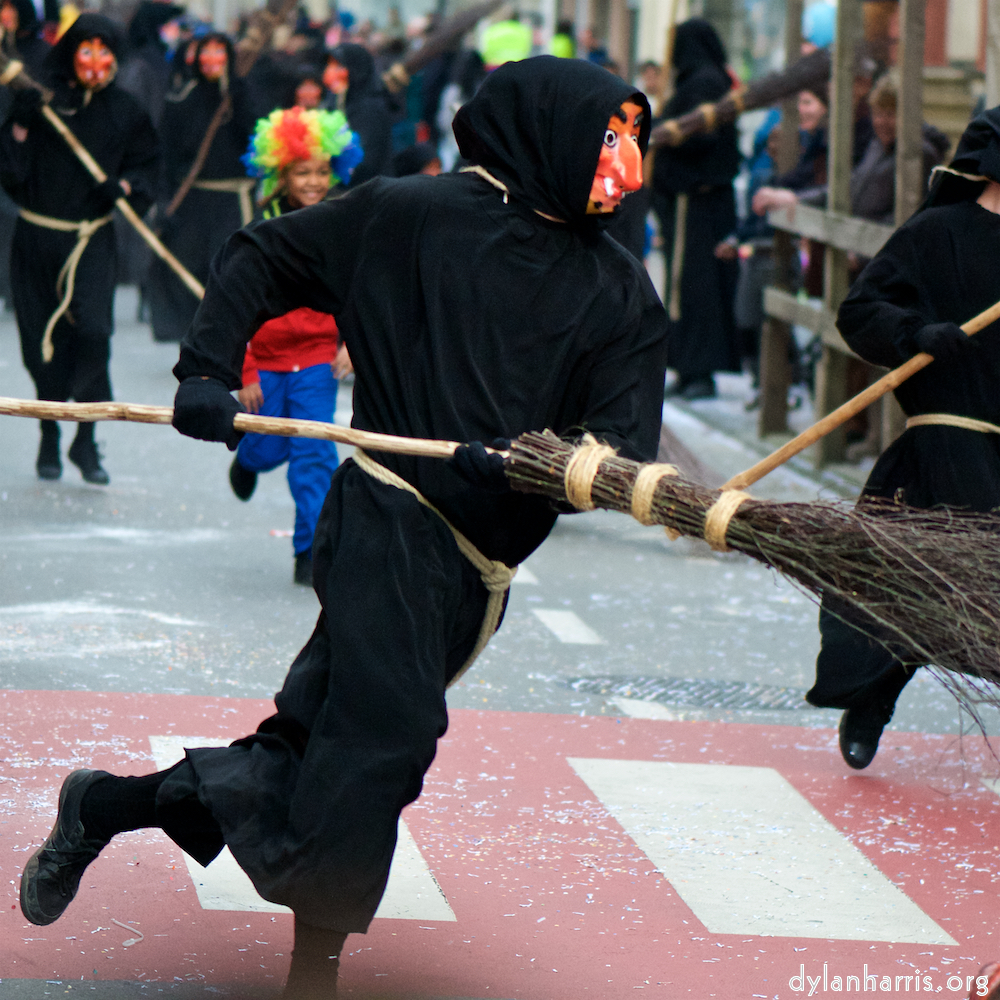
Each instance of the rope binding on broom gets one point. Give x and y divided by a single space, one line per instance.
582 469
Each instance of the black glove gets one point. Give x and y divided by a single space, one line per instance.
24 107
204 409
106 194
481 468
940 340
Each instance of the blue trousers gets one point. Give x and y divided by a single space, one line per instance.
310 394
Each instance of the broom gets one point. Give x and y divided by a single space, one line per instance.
926 584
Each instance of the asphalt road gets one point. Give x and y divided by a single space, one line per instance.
163 583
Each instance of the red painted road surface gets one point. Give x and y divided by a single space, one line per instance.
553 900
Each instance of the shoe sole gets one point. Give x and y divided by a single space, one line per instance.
37 917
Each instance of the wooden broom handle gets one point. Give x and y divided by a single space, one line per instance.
95 171
250 422
844 412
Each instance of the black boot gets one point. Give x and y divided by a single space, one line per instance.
861 725
304 568
49 465
242 480
84 455
315 963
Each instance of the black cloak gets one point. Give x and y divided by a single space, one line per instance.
204 218
938 267
703 339
468 317
44 176
366 106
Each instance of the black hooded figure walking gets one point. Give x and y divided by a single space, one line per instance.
63 254
220 200
366 105
475 305
936 271
696 208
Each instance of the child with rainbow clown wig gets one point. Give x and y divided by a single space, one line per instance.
292 363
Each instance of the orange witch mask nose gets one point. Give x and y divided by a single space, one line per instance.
619 168
94 63
212 59
336 78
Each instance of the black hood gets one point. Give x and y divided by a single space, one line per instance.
538 125
214 36
58 65
978 155
360 66
695 44
149 17
27 17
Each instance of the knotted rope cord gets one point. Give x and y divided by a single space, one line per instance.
66 282
496 576
581 470
952 420
719 515
242 187
708 113
958 173
644 489
489 178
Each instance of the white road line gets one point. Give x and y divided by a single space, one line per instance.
567 627
638 709
59 609
412 892
524 575
750 855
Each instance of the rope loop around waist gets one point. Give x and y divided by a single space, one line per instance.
66 281
496 576
951 420
242 187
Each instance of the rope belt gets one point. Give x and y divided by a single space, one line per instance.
66 281
496 575
951 420
242 187
584 464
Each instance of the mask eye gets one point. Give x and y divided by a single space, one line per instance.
610 138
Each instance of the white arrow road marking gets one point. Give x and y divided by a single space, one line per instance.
412 892
750 855
524 575
567 627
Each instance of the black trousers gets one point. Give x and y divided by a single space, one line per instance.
82 338
309 804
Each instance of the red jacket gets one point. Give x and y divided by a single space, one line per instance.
289 343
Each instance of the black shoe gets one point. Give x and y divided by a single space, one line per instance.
703 388
242 480
84 455
52 875
304 568
49 464
860 730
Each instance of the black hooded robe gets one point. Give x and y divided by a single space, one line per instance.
468 316
366 107
204 219
43 175
703 338
938 267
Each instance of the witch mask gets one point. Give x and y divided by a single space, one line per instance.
619 167
213 59
94 64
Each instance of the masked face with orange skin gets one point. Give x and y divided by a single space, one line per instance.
619 168
308 94
212 59
94 63
336 77
9 19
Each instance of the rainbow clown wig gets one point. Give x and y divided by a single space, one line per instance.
291 134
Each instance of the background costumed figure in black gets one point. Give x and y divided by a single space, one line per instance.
361 96
475 306
221 199
696 208
936 271
63 254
